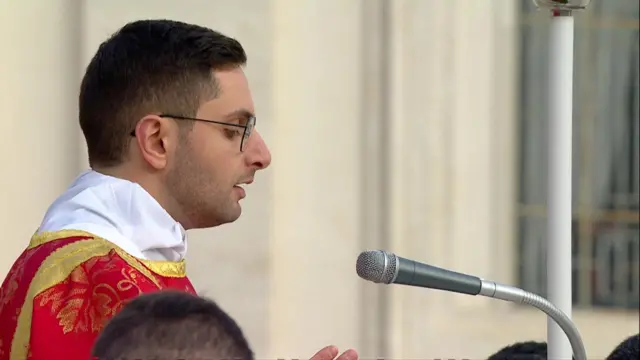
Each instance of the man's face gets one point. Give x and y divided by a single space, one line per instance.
207 177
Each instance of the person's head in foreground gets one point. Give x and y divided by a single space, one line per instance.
170 325
627 350
528 350
167 105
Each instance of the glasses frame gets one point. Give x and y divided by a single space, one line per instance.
248 127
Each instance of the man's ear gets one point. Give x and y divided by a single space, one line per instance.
154 139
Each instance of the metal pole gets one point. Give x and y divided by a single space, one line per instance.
559 201
560 178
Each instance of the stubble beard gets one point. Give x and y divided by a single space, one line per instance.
200 196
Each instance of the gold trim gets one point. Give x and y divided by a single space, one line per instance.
173 269
53 270
48 236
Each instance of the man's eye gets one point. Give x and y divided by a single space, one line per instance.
242 121
231 133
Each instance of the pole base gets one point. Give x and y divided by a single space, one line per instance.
562 5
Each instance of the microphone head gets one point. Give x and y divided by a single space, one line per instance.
377 265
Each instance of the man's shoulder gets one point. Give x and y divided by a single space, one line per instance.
68 282
41 247
56 258
52 240
61 253
57 250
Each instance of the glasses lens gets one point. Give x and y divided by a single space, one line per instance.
247 132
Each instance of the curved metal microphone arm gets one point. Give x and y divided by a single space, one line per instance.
383 267
516 295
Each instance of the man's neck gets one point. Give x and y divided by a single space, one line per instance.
120 211
151 184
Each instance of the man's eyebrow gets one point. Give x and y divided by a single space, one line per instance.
242 114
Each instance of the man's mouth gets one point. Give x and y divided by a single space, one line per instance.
244 182
240 190
240 187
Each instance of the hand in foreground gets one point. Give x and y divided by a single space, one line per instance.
330 353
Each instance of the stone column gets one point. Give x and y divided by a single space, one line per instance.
316 87
452 124
39 63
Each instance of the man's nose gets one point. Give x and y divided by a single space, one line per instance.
257 153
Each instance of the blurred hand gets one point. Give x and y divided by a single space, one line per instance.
330 353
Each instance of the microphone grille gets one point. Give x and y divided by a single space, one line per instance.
377 266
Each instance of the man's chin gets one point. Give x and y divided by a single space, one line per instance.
218 218
230 215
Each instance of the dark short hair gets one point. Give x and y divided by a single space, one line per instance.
149 66
527 350
627 349
171 325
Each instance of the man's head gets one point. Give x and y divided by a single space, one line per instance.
138 100
528 350
171 325
627 349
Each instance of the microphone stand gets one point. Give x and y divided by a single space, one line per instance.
559 186
555 315
383 267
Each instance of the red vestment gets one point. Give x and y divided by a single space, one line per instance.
63 289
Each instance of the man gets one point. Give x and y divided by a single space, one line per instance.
628 349
528 350
169 325
168 119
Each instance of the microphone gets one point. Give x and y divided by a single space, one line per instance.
384 267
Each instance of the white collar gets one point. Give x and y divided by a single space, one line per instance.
119 211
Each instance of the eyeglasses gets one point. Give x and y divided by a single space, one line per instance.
248 127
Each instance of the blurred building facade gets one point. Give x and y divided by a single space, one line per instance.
415 126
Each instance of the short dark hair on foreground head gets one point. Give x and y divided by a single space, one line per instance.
627 349
149 66
528 350
169 325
